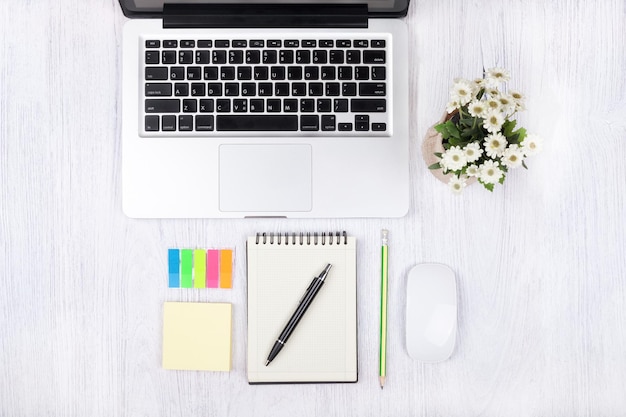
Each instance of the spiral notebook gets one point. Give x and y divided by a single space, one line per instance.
323 346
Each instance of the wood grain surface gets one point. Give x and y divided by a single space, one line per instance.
540 261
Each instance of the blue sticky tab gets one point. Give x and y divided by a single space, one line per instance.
174 267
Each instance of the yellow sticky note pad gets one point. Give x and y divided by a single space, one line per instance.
197 336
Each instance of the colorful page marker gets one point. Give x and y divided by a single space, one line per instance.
212 271
173 256
199 268
186 268
197 336
226 268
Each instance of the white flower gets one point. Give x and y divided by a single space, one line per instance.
472 171
495 145
453 104
492 104
493 121
513 156
497 75
477 108
457 183
463 90
507 104
492 92
532 144
472 152
490 173
453 159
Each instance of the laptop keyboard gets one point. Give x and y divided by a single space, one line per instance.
283 87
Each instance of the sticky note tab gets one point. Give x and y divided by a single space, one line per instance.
212 270
186 268
226 268
199 268
173 261
197 336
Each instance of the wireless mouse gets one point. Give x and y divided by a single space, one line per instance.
431 312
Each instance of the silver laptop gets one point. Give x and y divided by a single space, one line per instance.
265 109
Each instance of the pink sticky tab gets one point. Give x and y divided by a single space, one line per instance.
212 268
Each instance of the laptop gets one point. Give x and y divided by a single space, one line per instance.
295 109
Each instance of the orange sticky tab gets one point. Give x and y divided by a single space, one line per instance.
226 268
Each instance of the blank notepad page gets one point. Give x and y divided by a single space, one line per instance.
323 347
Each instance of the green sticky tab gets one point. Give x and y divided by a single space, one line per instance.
199 268
186 268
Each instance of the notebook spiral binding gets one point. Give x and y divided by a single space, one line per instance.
302 238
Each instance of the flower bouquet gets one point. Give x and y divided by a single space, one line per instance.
478 134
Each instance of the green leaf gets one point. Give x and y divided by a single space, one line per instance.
454 142
488 186
453 130
438 154
501 181
508 126
524 164
435 166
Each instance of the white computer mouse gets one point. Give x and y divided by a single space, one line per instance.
431 312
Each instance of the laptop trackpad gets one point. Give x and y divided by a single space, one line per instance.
265 178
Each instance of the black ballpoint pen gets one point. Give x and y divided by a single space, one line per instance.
303 305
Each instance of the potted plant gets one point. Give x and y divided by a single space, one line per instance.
478 139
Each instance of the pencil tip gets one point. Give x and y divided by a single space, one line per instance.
267 363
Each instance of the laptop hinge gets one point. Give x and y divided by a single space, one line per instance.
220 15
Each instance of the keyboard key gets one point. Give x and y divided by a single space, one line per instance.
292 43
156 73
372 89
364 105
378 43
344 127
320 56
253 57
205 123
257 43
340 105
348 89
227 73
361 123
294 73
257 105
261 73
328 73
181 89
177 73
214 89
207 105
162 106
309 123
326 43
353 56
277 73
265 89
307 105
168 57
274 43
152 57
248 89
210 73
328 122
152 123
222 44
285 57
332 89
336 57
153 44
222 105
344 73
185 57
240 44
273 105
316 89
344 43
379 127
269 56
194 73
170 44
361 43
235 57
187 44
158 89
303 57
168 123
244 73
205 44
281 89
361 73
240 105
257 123
219 57
378 73
311 73
374 57
203 57
190 106
290 105
298 89
231 89
324 105
185 123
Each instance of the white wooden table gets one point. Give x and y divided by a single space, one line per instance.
540 261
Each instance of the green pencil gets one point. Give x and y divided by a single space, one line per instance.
382 368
